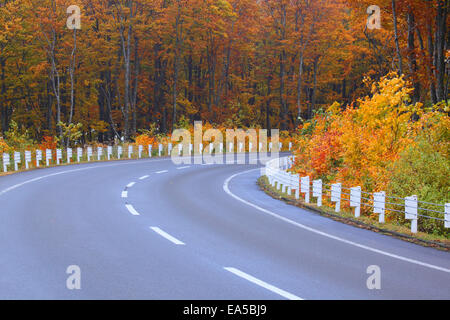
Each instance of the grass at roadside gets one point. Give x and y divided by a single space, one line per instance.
394 230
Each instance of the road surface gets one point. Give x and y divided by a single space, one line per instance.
149 229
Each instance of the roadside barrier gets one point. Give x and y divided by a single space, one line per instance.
411 207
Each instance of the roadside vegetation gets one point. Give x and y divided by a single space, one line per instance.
382 142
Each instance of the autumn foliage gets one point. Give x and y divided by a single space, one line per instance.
47 143
242 63
378 142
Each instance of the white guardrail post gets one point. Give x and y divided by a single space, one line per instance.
411 206
447 215
79 154
119 152
150 147
69 155
379 205
355 200
17 160
317 191
160 150
305 187
89 154
336 190
48 156
38 157
296 185
58 156
109 152
99 153
169 149
27 159
130 151
5 162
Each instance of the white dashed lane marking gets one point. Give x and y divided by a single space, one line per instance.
132 210
263 284
167 236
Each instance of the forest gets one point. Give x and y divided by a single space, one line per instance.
161 64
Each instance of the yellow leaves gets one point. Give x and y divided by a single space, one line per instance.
306 125
187 106
100 126
335 108
359 145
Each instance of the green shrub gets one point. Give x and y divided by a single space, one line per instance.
423 170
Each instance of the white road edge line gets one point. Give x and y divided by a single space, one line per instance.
124 194
167 236
162 171
181 168
132 210
395 256
131 184
263 284
143 177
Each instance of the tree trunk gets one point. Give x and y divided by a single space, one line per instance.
441 30
397 45
432 74
313 98
299 88
412 56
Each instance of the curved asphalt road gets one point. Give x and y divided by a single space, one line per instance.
190 232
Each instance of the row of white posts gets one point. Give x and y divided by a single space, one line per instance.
277 175
79 154
17 157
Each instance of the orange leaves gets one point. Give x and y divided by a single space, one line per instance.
358 146
47 143
144 140
4 146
